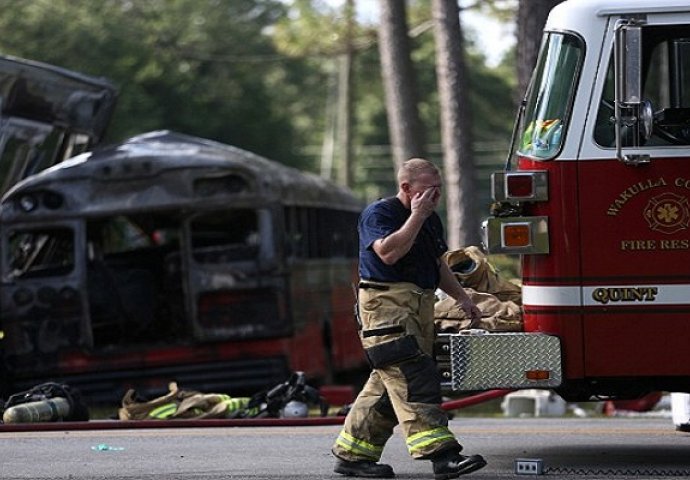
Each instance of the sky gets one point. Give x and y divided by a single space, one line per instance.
492 37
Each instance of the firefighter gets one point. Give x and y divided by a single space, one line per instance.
401 244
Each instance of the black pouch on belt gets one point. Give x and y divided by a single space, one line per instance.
392 352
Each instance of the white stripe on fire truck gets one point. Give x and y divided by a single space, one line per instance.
551 296
598 295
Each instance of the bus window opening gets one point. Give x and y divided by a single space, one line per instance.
225 236
132 295
44 252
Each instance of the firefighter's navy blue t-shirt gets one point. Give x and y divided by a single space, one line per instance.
419 265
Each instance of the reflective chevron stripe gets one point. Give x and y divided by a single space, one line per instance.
421 440
358 447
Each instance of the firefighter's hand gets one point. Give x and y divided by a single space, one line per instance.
426 202
472 312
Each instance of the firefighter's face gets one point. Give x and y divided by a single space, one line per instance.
424 182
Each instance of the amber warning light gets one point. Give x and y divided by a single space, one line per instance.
538 374
516 235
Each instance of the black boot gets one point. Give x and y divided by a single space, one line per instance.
450 464
363 468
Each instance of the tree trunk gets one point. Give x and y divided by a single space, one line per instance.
532 15
456 121
404 125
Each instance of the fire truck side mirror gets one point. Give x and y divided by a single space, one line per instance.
633 115
628 57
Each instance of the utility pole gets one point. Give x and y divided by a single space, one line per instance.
345 102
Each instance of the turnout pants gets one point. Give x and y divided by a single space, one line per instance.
404 385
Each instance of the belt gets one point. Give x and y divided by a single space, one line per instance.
373 286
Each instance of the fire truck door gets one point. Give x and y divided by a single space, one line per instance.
635 226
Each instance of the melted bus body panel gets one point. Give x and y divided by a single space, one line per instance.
47 114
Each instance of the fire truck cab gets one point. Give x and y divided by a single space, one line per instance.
595 200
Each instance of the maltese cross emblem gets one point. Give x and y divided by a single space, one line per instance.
667 213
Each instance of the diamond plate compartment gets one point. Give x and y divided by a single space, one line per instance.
482 361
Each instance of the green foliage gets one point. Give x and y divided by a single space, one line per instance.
202 67
259 74
491 101
312 28
507 266
490 98
503 10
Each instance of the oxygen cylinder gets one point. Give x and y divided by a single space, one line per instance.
48 410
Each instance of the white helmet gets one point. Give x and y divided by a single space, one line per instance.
294 409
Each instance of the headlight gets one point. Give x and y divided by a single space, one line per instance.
22 297
28 202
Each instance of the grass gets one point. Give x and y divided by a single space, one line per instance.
507 266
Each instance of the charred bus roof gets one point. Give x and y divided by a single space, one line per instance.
46 93
143 173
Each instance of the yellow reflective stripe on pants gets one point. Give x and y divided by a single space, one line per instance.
358 447
423 439
164 411
235 404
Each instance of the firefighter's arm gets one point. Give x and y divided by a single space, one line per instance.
449 284
393 247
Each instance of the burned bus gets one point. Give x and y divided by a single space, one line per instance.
173 258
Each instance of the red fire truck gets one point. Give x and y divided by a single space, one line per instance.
595 198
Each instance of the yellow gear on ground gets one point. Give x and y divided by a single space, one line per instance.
182 404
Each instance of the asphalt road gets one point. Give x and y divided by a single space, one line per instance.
570 448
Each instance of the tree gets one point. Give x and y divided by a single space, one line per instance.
258 74
531 18
202 67
456 125
331 34
406 134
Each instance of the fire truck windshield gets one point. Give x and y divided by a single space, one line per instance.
550 96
